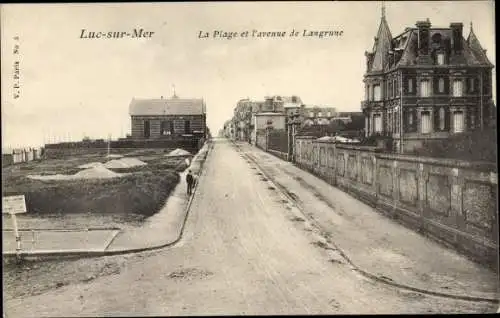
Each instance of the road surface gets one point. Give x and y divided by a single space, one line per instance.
243 252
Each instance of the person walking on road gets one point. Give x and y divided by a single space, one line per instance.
190 182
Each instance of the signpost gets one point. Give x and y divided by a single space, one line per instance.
14 205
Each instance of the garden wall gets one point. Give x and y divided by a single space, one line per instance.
450 200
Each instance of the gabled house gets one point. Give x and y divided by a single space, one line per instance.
425 84
168 118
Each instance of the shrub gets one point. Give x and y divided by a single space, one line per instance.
473 146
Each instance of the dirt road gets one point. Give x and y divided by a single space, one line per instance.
243 252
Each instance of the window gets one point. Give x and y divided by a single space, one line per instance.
376 92
187 127
367 92
441 85
410 85
396 90
425 88
440 58
458 121
471 85
410 118
426 122
320 114
147 131
311 114
329 114
441 118
472 120
377 123
457 88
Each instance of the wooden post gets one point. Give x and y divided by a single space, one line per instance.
18 238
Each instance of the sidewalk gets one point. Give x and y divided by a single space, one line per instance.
160 230
375 244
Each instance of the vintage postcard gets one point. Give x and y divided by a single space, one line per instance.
249 158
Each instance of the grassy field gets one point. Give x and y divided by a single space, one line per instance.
127 199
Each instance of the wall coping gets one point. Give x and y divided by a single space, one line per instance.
305 137
356 147
438 161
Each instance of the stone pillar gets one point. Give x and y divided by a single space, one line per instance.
395 182
423 176
457 187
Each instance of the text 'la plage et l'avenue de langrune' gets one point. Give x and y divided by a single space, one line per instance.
304 33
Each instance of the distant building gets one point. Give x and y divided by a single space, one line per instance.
426 83
270 120
168 118
317 115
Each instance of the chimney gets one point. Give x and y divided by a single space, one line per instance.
456 38
161 97
423 36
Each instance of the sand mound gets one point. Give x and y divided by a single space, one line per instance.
98 172
90 165
124 163
178 152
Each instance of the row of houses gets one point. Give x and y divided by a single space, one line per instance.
19 155
280 113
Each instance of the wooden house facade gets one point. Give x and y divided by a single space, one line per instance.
173 118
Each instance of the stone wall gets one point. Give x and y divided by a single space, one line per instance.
261 140
452 201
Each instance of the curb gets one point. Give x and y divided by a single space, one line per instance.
88 254
354 266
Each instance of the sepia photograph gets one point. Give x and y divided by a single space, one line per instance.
249 158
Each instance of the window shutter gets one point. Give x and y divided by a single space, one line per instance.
436 119
446 85
435 83
446 119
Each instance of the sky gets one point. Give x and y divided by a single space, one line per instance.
71 87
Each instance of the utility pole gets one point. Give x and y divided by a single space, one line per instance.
109 144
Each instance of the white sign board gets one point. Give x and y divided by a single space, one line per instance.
14 204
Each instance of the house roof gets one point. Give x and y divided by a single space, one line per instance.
389 52
382 46
476 48
173 106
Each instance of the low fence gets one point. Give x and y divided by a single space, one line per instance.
450 200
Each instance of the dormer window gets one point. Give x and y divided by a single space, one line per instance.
320 114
